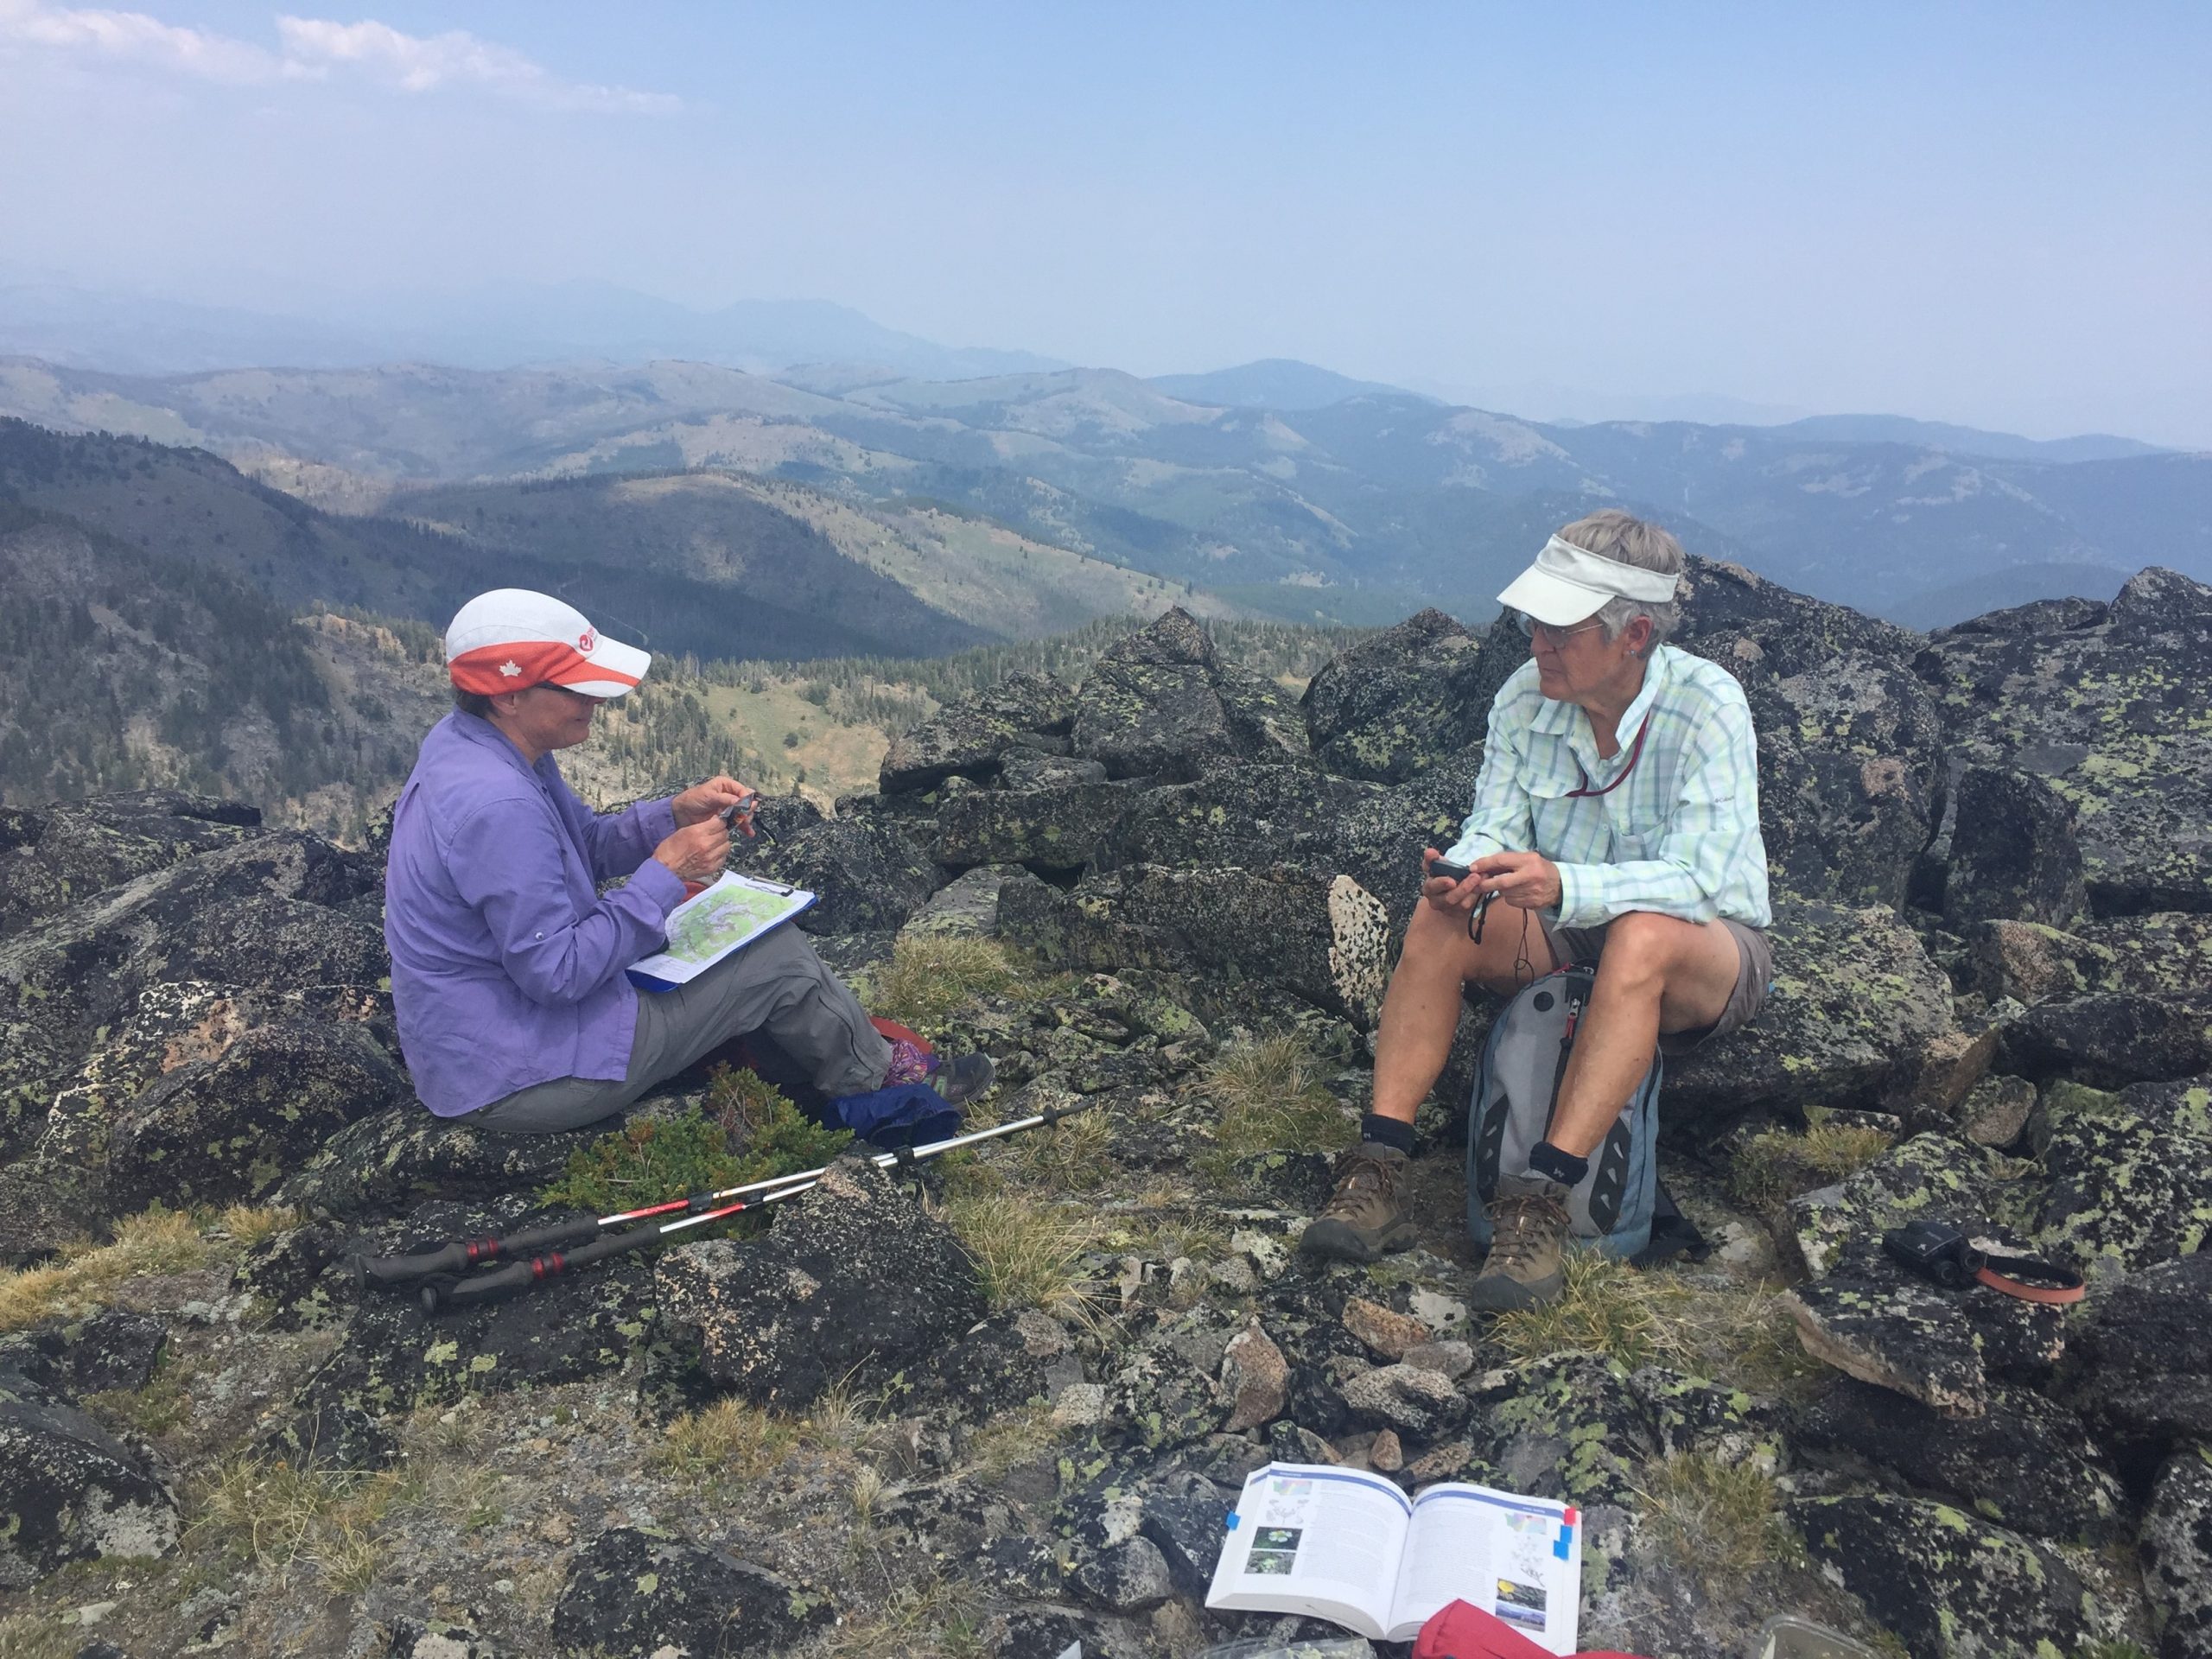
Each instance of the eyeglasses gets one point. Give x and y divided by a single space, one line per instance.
1531 628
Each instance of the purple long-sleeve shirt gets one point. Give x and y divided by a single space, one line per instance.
506 963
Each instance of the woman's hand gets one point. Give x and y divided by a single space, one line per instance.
701 802
698 852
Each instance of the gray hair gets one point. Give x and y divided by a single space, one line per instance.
1625 539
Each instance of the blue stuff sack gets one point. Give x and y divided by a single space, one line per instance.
1516 1089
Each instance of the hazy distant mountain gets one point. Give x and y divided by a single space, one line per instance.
499 327
1963 440
1271 383
1373 502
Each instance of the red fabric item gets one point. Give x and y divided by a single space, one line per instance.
1459 1630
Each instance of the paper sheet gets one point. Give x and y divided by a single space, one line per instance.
703 929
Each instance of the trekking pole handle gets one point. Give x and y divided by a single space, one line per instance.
397 1272
518 1276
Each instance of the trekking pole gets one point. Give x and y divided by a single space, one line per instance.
459 1256
442 1291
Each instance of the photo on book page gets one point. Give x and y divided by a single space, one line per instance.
1349 1546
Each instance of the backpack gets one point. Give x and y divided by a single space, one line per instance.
1517 1088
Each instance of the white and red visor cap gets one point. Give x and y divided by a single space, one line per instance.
512 638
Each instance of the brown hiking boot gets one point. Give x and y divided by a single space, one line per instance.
1363 1218
1528 1246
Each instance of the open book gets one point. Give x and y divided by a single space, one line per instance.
1345 1545
702 930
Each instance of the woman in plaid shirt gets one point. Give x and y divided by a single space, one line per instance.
1617 819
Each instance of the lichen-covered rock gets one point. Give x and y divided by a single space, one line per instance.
267 913
1387 1334
1948 1582
394 1356
401 1156
2025 1463
1931 1174
1319 934
51 857
1569 1426
968 908
1059 827
1855 995
2111 1040
1851 743
42 1208
2013 854
1185 1518
1421 1404
969 734
869 877
631 1594
228 1130
2108 707
2167 952
71 1491
1247 814
1164 1392
2176 1551
2123 1193
1689 1414
1996 1110
1396 703
2145 1357
1125 1578
854 1282
64 1358
1161 704
413 1639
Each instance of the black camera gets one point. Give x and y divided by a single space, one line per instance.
1935 1250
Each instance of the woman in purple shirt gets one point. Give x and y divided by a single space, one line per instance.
507 962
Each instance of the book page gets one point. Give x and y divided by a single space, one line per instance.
1518 1558
702 930
1309 1538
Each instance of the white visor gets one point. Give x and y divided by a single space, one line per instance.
1568 583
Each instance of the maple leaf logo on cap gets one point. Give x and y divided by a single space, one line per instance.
512 670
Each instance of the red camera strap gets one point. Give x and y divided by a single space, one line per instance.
1635 753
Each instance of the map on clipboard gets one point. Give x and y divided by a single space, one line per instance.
703 929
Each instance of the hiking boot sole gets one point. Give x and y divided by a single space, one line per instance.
1341 1242
1498 1295
959 1081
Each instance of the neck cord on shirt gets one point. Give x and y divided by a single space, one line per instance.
1635 753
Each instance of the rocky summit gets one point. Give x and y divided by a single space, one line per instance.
998 1404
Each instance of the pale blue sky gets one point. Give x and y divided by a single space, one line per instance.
2000 214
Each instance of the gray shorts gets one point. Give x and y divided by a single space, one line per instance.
1754 977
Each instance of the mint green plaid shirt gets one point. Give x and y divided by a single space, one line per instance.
1679 835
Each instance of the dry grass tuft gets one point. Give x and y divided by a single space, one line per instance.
246 1224
1010 1439
939 1618
729 1439
930 977
1026 1250
1069 1156
278 1518
1272 1096
1607 1307
1776 1165
160 1240
1720 1520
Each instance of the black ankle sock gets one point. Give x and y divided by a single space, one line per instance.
1548 1161
1386 1132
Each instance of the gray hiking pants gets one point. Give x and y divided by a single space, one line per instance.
777 985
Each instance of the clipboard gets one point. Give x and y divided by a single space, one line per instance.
717 922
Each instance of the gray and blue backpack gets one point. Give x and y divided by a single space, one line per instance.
1516 1090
